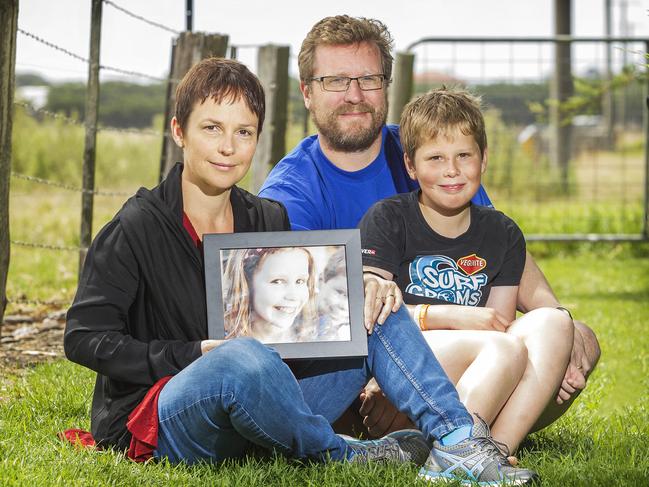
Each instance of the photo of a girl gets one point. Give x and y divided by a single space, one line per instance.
269 294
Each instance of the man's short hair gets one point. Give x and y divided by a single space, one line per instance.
437 113
342 30
221 79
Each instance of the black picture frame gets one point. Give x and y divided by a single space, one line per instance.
218 248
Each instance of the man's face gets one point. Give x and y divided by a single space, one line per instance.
351 120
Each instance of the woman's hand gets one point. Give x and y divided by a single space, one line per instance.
207 345
382 297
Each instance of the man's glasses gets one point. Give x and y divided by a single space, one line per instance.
341 83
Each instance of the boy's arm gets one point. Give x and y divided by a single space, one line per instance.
503 300
461 317
534 290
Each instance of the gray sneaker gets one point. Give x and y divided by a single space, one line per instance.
400 446
476 460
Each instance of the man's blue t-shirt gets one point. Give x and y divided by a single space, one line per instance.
320 196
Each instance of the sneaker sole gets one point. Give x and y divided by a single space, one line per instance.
434 477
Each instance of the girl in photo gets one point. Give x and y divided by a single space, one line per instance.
270 294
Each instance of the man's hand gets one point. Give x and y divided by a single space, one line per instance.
207 345
577 371
382 297
379 414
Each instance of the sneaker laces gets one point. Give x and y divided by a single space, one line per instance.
492 445
378 450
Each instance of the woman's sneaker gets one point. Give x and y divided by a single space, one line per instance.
401 446
476 460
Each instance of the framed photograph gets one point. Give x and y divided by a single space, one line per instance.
300 292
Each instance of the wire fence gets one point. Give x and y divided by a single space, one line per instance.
42 112
602 195
607 185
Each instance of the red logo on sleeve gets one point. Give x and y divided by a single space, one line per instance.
471 264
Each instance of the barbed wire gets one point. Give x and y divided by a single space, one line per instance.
85 60
73 121
68 187
53 46
143 19
36 245
39 302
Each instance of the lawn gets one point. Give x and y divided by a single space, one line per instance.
603 440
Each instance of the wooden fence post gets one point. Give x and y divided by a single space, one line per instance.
8 27
272 69
188 49
561 88
90 143
402 84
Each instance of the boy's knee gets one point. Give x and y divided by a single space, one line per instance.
552 322
510 349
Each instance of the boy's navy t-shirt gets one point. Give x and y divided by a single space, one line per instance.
431 268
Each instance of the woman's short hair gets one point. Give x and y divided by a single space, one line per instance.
220 79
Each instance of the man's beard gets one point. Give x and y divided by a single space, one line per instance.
355 139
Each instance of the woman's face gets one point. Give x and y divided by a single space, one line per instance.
280 289
218 143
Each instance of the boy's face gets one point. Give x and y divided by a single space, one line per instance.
448 169
218 142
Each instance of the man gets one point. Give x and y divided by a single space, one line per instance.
330 180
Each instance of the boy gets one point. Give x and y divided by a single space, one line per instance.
443 250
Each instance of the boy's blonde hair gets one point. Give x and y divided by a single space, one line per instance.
437 113
344 30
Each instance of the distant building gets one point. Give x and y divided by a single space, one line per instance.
35 95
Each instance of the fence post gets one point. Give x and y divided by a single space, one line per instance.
608 100
188 49
8 27
272 68
402 85
560 90
645 122
90 143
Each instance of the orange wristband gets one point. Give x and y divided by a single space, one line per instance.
421 316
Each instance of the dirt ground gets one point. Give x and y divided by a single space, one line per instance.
29 337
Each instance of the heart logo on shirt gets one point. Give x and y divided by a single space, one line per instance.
471 264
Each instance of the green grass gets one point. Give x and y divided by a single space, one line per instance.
602 440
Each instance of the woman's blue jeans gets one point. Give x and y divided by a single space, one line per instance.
242 394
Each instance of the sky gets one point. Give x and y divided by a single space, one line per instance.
132 45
